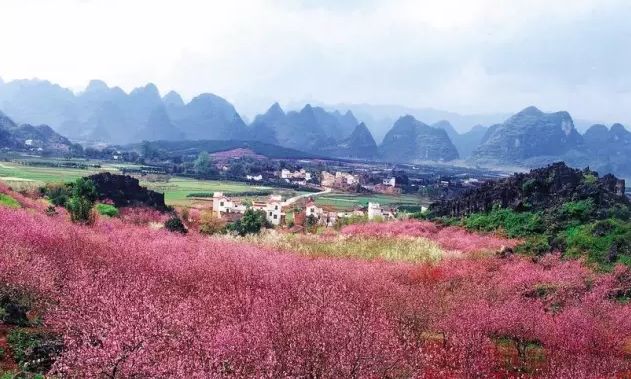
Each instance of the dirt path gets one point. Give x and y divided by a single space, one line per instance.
292 200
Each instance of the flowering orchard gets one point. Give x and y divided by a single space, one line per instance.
131 301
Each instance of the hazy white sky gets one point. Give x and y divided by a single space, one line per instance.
468 56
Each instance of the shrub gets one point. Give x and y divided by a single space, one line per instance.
590 179
107 210
34 351
597 239
514 224
175 224
57 194
80 210
582 210
535 245
210 224
82 200
251 223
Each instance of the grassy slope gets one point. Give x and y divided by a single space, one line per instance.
8 201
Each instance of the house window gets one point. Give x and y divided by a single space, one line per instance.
276 207
275 217
270 213
221 204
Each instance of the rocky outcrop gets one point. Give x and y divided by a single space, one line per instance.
125 191
410 140
609 149
529 135
540 189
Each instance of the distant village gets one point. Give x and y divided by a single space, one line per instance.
297 212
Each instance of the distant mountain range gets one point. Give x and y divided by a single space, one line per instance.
106 114
29 137
532 138
411 140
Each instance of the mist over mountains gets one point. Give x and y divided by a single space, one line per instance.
109 115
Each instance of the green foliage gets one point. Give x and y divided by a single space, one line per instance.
8 201
590 179
597 240
82 200
251 223
174 224
107 210
354 219
204 166
80 209
58 194
20 340
538 244
620 212
210 224
514 224
578 210
25 344
84 188
577 228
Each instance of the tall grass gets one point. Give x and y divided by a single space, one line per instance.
404 249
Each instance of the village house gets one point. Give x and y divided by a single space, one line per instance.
223 204
296 177
273 209
339 180
346 178
256 178
376 211
312 209
391 182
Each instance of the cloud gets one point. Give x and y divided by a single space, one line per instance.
467 56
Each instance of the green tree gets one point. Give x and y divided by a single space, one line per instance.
175 224
251 222
82 200
311 223
203 165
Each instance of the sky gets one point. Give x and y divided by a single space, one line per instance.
467 56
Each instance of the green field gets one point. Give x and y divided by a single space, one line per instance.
12 172
175 190
346 201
